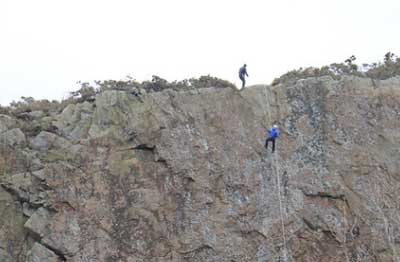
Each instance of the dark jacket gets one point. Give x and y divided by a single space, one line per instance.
243 71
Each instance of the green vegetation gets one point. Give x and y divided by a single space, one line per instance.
390 67
158 84
87 92
29 104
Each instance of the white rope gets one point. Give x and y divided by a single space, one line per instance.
277 171
281 209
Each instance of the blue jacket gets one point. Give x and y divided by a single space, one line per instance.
273 132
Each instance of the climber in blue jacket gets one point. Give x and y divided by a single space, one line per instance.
273 133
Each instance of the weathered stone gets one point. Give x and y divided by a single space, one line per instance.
40 174
61 143
13 137
43 141
74 122
6 123
39 253
27 209
32 159
185 176
64 234
19 184
12 235
39 222
4 257
36 114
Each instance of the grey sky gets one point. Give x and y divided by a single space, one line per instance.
48 45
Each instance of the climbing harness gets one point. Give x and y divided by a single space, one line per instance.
268 119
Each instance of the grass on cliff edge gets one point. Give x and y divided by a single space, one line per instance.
87 92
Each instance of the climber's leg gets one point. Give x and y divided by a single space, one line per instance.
243 81
266 142
273 145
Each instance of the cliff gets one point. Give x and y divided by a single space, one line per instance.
184 175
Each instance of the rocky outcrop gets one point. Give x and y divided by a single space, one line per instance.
184 176
39 253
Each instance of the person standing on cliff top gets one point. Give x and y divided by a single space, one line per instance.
242 74
273 133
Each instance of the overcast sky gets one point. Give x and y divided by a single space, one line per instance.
46 46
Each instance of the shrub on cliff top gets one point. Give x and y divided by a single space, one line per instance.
87 92
389 68
29 104
157 84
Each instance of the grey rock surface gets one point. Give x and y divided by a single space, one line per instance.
39 253
14 137
43 141
38 223
185 176
7 122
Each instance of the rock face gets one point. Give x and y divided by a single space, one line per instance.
184 176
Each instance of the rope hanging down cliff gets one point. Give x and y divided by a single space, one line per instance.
268 119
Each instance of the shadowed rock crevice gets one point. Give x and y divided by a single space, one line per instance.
326 195
57 252
145 147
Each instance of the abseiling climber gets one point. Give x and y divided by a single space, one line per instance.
273 133
242 74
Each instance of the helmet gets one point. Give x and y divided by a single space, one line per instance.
275 126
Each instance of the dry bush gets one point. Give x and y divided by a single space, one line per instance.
389 68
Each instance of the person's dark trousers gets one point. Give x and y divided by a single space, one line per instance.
243 81
273 143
